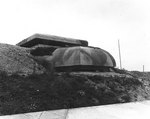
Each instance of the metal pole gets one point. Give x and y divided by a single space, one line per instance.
119 54
143 68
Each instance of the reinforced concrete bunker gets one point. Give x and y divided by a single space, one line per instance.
69 54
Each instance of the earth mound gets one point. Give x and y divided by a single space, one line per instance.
15 59
68 90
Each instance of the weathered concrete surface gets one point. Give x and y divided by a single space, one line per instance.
134 110
83 56
103 74
51 40
41 50
15 59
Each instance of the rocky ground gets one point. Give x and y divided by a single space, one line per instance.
37 92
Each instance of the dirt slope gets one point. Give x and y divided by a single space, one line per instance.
68 90
15 59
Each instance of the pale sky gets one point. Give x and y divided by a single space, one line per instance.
101 22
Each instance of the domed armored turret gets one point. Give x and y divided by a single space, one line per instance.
82 58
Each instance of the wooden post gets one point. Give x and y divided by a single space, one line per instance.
119 54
